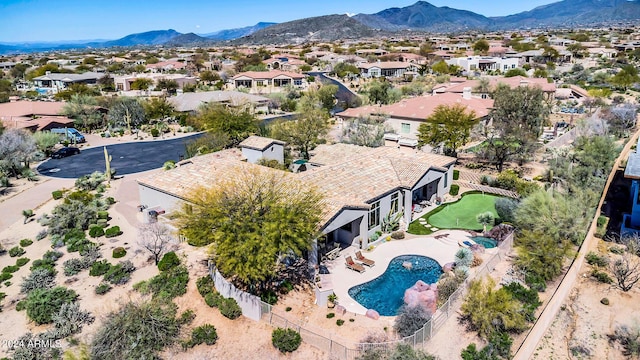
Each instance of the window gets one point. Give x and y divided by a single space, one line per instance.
374 215
513 66
297 82
506 67
446 179
394 203
405 128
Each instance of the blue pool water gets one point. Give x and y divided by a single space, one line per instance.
385 293
488 243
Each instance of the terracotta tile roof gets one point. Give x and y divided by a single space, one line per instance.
420 108
259 142
386 65
28 108
268 74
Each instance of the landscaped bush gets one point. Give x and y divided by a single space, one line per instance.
10 269
74 266
456 174
90 182
203 334
103 288
339 322
213 299
505 208
205 285
57 195
629 338
21 305
103 215
528 297
410 319
155 132
286 340
68 321
601 229
120 273
110 200
119 252
169 283
5 276
22 262
229 308
96 231
41 235
601 276
464 257
596 260
43 304
112 232
39 278
99 268
331 315
16 251
397 235
25 242
168 261
535 282
454 190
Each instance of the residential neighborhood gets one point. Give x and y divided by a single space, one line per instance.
399 194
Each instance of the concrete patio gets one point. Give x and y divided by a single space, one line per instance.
341 279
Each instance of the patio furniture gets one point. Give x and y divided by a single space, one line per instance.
332 254
364 260
353 265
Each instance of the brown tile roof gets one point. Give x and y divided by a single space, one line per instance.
421 107
259 142
28 108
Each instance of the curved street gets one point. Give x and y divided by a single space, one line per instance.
127 158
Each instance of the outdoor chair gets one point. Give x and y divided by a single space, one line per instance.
364 260
353 265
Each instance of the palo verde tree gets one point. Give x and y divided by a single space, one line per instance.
254 218
449 127
83 109
237 123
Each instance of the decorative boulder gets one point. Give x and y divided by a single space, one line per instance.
448 267
340 310
422 294
372 314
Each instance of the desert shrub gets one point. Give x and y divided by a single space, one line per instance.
170 283
70 214
128 332
213 299
41 235
168 261
602 220
601 276
447 285
112 232
16 251
96 231
629 338
43 304
410 319
528 297
74 266
397 235
454 189
120 274
103 288
21 305
535 282
499 347
103 214
331 315
617 250
505 208
39 278
205 285
155 132
477 260
229 308
339 322
25 242
90 182
285 340
118 252
5 276
464 257
99 268
57 195
596 260
204 334
10 269
22 262
68 321
187 317
110 200
456 174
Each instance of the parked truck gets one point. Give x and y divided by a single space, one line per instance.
70 134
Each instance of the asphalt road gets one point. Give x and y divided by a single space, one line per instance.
127 158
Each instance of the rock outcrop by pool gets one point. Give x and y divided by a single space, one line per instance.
422 294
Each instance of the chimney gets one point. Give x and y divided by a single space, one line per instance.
466 93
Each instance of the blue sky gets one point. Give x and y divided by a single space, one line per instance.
47 20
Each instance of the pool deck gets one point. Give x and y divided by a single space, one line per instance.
341 278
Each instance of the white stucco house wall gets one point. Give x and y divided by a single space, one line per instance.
255 148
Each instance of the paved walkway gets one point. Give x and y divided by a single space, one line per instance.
487 189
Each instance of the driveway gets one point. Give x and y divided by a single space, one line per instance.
127 158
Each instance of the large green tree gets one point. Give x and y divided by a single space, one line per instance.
83 109
626 76
237 123
253 219
127 112
481 46
158 108
448 126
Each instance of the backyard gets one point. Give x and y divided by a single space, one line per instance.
457 215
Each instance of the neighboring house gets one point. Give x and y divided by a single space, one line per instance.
165 66
255 148
392 69
55 82
284 63
33 115
374 52
7 65
458 87
484 63
260 82
359 185
190 102
604 53
123 82
631 222
406 116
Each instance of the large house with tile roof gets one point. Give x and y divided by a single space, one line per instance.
360 186
393 69
265 82
33 115
54 82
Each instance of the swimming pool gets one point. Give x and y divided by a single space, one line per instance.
385 293
488 243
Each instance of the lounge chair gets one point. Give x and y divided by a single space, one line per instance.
364 260
353 265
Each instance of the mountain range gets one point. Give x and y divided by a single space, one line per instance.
421 16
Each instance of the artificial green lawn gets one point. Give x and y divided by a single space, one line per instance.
458 215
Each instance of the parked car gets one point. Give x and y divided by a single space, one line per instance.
64 152
70 134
